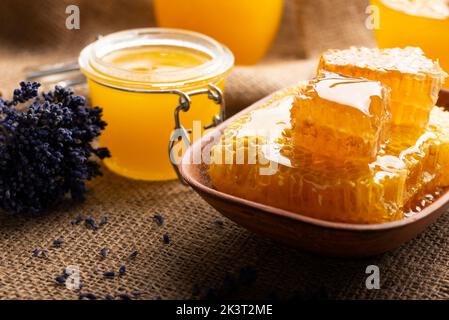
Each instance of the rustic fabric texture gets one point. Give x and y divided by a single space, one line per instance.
205 258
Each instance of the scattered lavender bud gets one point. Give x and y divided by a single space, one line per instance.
108 297
166 238
219 223
57 243
36 252
89 296
44 254
60 279
133 254
159 219
65 273
109 274
124 296
104 252
137 293
77 220
122 270
90 223
103 221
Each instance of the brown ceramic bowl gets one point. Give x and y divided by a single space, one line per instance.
314 235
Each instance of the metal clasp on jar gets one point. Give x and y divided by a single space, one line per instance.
180 134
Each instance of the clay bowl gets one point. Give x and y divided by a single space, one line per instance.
313 235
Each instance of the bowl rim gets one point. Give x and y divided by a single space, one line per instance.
298 217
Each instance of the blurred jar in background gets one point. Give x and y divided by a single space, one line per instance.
421 23
247 27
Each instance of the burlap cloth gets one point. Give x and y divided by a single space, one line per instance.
203 256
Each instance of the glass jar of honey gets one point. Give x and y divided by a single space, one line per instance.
148 82
420 23
247 27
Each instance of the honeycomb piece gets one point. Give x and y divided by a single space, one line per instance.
293 179
419 153
439 125
301 182
341 117
414 79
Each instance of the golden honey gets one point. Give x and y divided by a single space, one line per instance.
420 23
439 125
414 80
133 76
341 117
247 27
156 58
410 165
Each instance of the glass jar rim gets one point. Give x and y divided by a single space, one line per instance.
92 63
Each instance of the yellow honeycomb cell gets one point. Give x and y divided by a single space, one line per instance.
439 125
276 173
414 79
341 117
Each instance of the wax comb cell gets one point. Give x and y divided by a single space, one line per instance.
415 80
341 117
320 187
439 125
418 153
299 181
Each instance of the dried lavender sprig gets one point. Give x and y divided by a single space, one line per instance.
122 270
61 279
124 296
77 220
219 223
133 254
27 91
166 238
137 293
159 219
109 274
58 242
89 296
103 221
104 252
45 148
90 223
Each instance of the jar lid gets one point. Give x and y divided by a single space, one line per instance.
93 63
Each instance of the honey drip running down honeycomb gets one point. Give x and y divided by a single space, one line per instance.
327 148
415 80
341 117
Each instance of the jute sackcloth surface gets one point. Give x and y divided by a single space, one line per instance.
208 255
